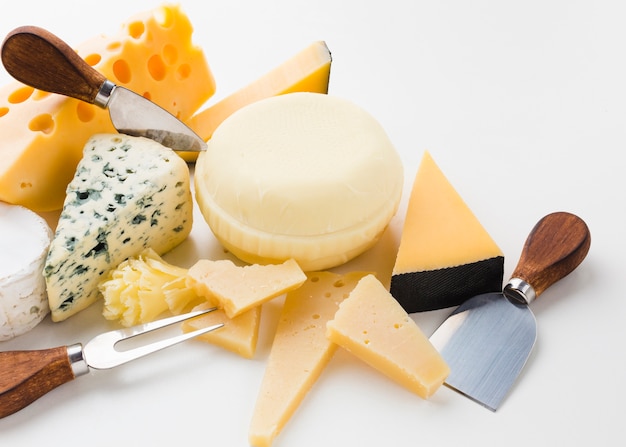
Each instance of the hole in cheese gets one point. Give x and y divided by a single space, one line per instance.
39 95
183 72
164 17
170 55
21 95
157 68
136 29
113 46
85 112
42 123
93 59
122 72
26 185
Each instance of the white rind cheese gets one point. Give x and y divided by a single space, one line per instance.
24 238
128 194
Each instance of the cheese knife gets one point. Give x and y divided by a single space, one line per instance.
38 58
487 339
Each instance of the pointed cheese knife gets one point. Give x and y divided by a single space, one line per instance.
487 340
40 59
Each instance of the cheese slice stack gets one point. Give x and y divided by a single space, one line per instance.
24 241
43 134
128 194
445 255
374 327
299 353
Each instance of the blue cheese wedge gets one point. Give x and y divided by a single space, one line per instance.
128 194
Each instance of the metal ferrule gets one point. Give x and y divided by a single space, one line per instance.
519 291
77 359
104 94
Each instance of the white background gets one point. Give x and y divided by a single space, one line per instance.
522 105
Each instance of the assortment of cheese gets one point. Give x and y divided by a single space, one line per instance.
294 183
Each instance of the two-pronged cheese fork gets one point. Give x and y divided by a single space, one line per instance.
25 376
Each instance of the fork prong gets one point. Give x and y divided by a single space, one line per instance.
144 328
100 352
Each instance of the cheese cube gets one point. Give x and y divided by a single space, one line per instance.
373 326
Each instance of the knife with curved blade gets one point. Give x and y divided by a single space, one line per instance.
487 339
38 58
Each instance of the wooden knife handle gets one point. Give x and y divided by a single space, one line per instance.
40 59
25 376
554 248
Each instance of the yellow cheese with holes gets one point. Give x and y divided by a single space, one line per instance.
299 352
43 134
306 71
240 288
239 334
445 255
373 326
303 175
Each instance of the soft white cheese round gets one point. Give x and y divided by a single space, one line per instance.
24 241
303 175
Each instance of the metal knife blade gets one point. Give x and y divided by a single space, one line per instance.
488 339
40 59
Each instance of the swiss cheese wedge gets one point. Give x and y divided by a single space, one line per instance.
43 134
373 326
445 255
299 353
306 71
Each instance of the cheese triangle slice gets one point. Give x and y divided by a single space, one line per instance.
445 255
375 328
300 351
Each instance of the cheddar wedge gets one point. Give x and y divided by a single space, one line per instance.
43 134
307 71
299 353
373 326
445 255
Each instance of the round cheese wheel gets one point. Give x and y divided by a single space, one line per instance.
24 241
306 176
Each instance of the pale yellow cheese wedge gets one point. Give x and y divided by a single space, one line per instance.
299 353
303 175
306 71
374 327
241 288
239 334
43 134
